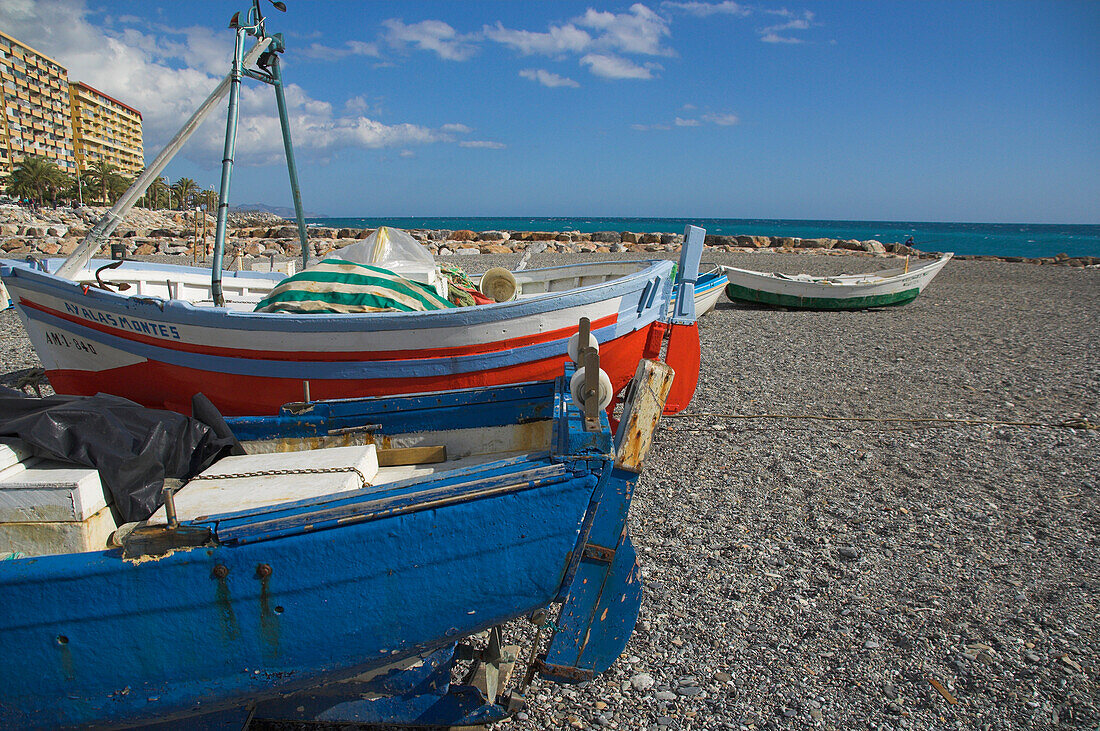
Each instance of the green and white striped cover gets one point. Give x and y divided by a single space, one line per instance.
337 285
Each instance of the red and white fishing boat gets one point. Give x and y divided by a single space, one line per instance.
162 339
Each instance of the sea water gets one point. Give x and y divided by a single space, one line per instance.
998 239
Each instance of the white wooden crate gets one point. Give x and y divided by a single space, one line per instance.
49 507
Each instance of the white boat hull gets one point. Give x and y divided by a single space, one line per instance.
845 292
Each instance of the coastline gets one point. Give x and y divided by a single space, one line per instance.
56 232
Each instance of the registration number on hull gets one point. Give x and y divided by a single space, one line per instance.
61 340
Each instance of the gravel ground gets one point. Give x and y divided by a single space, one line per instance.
830 574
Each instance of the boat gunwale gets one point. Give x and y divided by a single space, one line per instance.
896 274
184 312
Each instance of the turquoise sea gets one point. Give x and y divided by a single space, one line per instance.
999 239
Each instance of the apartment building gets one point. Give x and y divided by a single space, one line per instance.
34 97
104 128
72 124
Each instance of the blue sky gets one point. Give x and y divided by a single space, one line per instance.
924 111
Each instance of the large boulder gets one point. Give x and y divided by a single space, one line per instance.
753 242
816 243
493 236
463 235
718 240
628 237
875 247
606 237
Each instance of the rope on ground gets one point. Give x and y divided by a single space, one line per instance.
1076 423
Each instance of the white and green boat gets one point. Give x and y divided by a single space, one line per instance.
841 292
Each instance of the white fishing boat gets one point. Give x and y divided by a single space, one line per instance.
841 292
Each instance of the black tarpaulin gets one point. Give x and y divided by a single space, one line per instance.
133 447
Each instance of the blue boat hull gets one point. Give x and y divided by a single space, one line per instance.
296 597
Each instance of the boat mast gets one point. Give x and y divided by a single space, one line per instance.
296 191
268 72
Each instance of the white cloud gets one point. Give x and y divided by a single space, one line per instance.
456 128
483 144
330 53
431 35
722 120
547 78
703 10
639 31
776 38
616 67
795 21
559 39
600 38
406 153
142 67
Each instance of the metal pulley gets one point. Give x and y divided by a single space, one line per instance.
581 393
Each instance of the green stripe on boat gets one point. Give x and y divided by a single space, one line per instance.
737 292
337 285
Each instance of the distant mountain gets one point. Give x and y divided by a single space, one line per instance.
277 210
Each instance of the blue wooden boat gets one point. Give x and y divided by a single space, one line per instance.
357 606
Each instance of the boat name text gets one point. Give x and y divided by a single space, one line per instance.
126 323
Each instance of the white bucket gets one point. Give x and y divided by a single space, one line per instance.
499 285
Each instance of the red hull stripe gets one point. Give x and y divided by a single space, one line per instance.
325 355
164 386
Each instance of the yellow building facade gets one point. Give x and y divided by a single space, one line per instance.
73 124
105 129
34 93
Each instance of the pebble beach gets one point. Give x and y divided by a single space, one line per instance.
884 519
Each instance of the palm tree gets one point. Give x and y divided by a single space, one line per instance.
104 176
185 189
208 198
116 186
156 192
36 178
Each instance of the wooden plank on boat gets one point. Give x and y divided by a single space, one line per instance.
52 491
411 456
45 538
641 413
235 484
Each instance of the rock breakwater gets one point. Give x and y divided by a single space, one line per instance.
57 232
